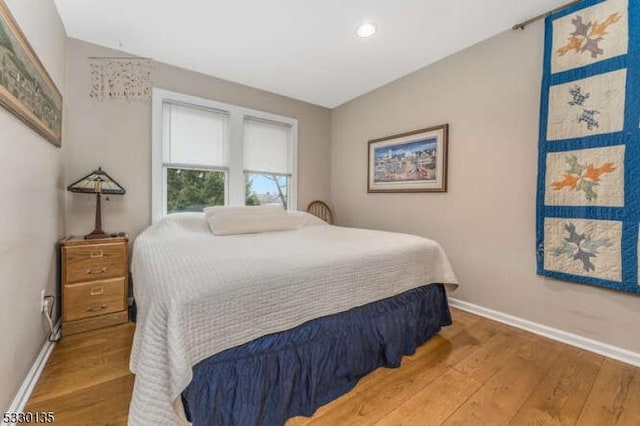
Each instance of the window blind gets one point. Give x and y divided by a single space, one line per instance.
267 147
196 136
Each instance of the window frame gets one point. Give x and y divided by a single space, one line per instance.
235 172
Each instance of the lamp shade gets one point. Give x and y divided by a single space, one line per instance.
97 181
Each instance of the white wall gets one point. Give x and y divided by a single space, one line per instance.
32 216
490 96
117 136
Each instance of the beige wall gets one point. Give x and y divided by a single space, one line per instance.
31 221
489 94
117 136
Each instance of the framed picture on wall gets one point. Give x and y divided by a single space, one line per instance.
409 162
26 89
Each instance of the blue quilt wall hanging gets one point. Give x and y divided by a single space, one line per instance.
588 204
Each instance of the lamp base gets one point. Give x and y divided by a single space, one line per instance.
97 231
95 235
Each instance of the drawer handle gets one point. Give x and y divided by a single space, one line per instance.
97 308
97 271
97 291
96 253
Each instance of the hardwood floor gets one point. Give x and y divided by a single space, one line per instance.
87 379
476 372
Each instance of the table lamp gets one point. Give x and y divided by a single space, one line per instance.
97 182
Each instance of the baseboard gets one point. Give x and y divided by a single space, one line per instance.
600 348
29 383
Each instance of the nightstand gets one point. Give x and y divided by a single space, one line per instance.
94 283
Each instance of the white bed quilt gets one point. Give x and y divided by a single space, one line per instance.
198 294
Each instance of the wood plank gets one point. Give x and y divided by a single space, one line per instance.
487 360
500 398
463 317
435 402
103 404
609 397
382 396
88 360
88 343
631 413
560 396
466 335
461 321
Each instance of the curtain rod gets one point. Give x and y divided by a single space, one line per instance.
522 25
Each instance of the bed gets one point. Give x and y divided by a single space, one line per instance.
212 306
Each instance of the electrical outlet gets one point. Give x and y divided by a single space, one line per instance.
42 300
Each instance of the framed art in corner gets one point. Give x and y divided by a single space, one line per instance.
26 89
409 162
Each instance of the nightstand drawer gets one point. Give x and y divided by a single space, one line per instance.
94 262
87 300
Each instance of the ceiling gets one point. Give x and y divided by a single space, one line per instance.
307 50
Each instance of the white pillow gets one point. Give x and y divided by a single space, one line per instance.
243 223
223 210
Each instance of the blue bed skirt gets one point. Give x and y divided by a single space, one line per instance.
275 377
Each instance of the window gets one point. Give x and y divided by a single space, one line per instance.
209 153
267 162
195 157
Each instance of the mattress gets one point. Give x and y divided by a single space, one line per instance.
199 294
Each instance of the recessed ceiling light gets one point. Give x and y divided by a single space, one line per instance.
366 30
